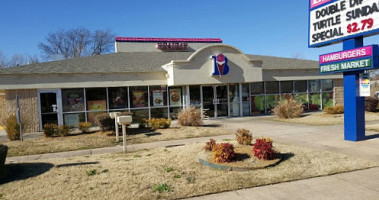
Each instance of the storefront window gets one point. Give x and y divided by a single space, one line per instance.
138 97
140 115
92 117
286 87
96 99
195 96
257 104
327 85
327 99
73 119
314 101
234 99
302 98
158 96
159 113
272 87
300 86
175 96
118 98
73 100
174 111
271 102
245 100
314 86
257 88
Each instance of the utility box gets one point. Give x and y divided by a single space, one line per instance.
113 115
124 120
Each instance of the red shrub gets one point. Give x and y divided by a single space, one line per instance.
263 149
209 145
223 152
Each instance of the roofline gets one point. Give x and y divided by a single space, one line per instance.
188 40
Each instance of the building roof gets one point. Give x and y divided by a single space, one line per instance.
276 63
190 40
108 63
126 62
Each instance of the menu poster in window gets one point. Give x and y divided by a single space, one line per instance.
97 105
157 98
138 99
175 97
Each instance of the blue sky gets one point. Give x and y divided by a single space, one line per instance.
276 28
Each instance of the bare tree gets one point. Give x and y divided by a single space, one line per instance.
77 43
3 60
17 60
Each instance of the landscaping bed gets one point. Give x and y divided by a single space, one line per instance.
162 173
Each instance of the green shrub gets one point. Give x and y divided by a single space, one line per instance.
288 108
50 130
156 123
162 187
223 152
339 109
190 117
63 130
168 169
244 136
3 156
84 126
371 103
12 127
263 149
209 145
105 122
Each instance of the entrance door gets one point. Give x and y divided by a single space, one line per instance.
215 100
222 101
208 101
49 108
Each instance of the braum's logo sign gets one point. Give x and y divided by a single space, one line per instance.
221 66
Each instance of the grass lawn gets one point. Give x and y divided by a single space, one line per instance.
175 171
322 119
98 139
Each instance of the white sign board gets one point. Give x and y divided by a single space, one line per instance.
364 85
333 21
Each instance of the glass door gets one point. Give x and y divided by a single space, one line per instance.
49 108
208 101
215 100
221 102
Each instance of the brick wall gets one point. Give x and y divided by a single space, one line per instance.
29 107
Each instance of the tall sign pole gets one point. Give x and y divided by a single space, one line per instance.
354 109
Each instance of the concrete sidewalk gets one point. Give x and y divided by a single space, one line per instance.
362 184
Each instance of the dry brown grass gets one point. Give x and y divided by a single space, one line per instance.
98 140
174 133
322 119
132 175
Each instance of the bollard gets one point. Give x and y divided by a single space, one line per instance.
123 121
114 115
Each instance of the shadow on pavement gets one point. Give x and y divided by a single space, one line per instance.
22 171
369 137
76 164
